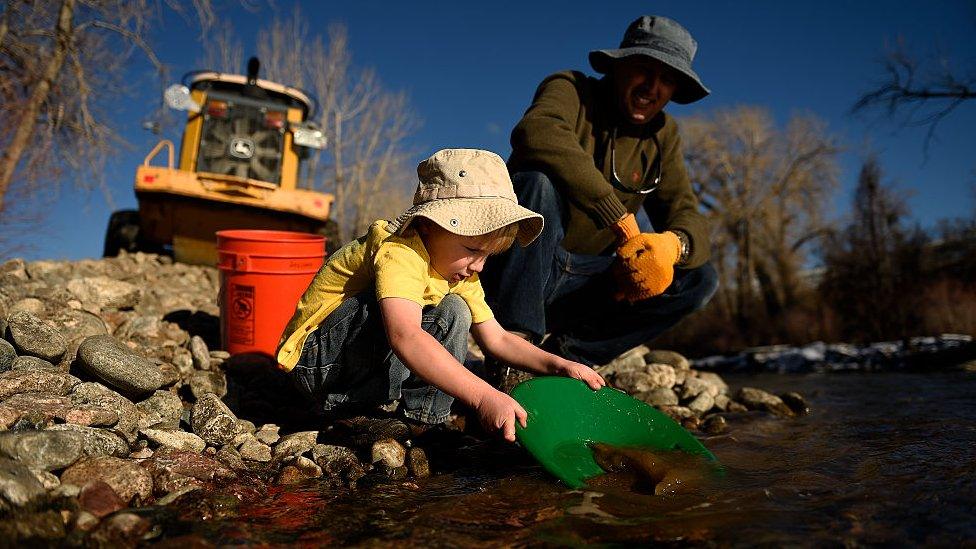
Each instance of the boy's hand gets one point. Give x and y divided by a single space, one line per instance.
499 412
581 372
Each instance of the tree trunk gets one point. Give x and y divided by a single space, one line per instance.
28 118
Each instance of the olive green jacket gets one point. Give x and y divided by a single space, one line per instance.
566 134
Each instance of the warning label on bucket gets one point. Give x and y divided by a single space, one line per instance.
241 328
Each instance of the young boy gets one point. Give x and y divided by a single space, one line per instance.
387 317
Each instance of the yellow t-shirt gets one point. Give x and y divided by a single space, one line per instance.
398 266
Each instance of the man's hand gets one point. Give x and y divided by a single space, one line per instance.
581 372
499 412
645 261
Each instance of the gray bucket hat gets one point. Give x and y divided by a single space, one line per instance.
662 39
468 192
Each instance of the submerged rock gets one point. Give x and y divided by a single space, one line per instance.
757 399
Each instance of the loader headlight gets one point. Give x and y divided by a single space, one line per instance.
308 135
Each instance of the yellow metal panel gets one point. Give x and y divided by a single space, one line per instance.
289 160
192 133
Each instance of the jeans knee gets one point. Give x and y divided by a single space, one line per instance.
453 314
705 287
535 191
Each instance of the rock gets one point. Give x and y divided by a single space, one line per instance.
290 475
8 416
628 361
268 433
334 460
796 403
246 426
43 450
219 355
39 407
36 529
691 423
203 382
49 481
183 361
27 381
175 439
757 399
671 358
715 425
15 268
295 444
97 442
254 450
233 459
96 394
104 293
692 388
213 421
167 405
170 373
702 403
651 377
120 530
85 521
736 407
308 467
18 486
171 497
110 361
388 452
417 463
99 499
76 325
31 305
200 353
661 396
716 384
187 464
677 413
7 355
32 336
33 364
130 481
722 402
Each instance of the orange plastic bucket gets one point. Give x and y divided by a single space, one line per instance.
262 276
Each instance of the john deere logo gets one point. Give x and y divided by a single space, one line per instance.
241 148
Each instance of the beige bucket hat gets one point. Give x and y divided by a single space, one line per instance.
468 192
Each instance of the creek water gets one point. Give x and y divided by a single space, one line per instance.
882 458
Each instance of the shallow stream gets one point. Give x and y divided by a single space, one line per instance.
882 458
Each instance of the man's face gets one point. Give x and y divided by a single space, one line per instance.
643 87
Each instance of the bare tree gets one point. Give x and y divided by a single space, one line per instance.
365 165
766 191
61 64
925 92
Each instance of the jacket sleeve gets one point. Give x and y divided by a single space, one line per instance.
674 206
545 140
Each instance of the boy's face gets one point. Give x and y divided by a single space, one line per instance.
643 86
454 257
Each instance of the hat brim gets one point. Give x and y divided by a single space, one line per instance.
474 217
690 88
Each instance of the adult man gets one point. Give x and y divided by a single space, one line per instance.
587 154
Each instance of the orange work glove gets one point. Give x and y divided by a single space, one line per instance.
645 261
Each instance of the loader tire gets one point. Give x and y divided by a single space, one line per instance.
122 233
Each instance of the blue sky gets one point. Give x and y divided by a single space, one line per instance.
471 68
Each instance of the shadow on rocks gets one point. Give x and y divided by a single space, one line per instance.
261 393
197 323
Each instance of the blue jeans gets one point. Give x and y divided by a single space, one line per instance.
543 288
348 361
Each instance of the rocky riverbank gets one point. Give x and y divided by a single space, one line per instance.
114 396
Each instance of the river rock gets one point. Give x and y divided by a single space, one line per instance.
183 361
252 449
626 362
33 364
18 486
96 442
96 394
40 407
295 444
702 403
180 440
188 464
32 336
757 399
268 433
796 402
99 499
204 381
31 305
7 355
213 421
110 361
651 377
660 396
26 381
417 463
167 405
42 450
101 292
715 425
677 413
671 358
120 530
716 385
130 481
722 402
200 353
388 452
335 460
76 325
8 416
230 457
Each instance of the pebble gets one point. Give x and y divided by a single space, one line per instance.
114 364
130 481
43 450
7 355
213 421
200 353
180 440
714 425
417 463
32 336
389 452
